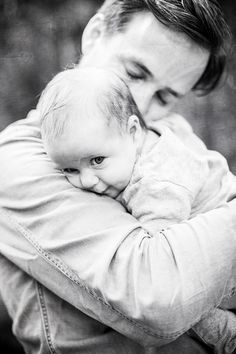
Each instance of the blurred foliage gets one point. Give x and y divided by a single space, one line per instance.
38 38
214 116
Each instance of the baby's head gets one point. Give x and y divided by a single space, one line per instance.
91 128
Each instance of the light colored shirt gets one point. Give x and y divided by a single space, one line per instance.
171 183
89 251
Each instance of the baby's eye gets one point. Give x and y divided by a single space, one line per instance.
97 160
70 170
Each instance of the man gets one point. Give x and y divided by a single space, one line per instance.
129 287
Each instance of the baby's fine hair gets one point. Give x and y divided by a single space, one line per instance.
109 94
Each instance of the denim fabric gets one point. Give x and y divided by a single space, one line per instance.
90 252
44 323
222 334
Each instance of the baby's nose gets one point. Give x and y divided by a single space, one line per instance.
88 180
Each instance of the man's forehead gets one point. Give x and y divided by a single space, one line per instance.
163 54
148 42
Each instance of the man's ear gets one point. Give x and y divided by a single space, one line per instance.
92 32
134 127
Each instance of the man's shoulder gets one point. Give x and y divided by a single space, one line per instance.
183 130
175 122
30 126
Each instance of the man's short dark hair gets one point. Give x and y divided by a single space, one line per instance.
201 20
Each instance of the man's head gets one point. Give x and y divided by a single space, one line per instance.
165 47
91 128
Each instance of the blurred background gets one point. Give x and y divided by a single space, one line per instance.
38 38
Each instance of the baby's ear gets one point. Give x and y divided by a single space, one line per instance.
134 127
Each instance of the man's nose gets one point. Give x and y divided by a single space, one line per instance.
150 108
142 100
153 111
88 180
156 112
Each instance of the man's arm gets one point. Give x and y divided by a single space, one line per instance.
218 330
90 252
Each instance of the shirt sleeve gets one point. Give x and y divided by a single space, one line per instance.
157 204
218 330
89 251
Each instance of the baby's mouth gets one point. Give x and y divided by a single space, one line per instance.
109 191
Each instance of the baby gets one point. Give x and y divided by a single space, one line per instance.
94 132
